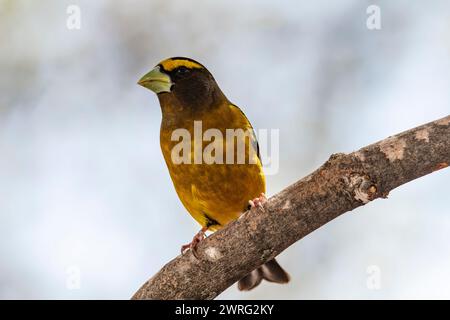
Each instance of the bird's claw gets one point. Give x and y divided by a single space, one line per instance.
257 202
193 244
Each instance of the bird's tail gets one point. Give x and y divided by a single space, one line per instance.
270 271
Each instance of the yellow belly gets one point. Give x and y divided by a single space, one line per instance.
217 194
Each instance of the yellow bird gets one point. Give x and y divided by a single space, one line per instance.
216 187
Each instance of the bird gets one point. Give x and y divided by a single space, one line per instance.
213 193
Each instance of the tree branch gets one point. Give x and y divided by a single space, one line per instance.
343 183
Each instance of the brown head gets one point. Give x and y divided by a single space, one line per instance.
185 84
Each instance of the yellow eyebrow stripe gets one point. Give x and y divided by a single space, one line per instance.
171 64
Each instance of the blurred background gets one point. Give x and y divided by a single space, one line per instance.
87 208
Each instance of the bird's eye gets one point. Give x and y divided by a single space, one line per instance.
181 71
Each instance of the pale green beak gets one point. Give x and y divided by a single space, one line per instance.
156 81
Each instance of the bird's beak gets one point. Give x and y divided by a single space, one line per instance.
156 81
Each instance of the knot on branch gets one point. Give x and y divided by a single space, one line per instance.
360 187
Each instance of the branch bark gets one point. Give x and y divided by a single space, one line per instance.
343 183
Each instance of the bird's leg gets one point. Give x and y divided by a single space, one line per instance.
195 241
257 202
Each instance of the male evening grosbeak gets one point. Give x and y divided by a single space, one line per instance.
213 193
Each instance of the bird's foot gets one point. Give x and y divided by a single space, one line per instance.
195 241
257 202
